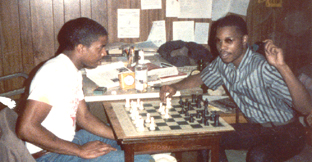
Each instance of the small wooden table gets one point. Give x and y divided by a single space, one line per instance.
134 142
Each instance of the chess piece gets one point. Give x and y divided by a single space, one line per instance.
193 98
168 103
191 120
163 110
141 107
206 122
181 101
141 125
166 113
216 120
148 118
152 125
160 107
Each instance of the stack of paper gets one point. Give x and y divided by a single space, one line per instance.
107 75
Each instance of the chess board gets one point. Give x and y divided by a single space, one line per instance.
176 123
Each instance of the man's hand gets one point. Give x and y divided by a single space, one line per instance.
274 54
95 149
167 89
309 119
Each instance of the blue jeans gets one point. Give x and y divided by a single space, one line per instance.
83 137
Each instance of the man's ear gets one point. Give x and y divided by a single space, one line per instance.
245 39
79 48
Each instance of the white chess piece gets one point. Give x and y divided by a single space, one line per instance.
163 110
166 113
168 103
141 106
160 107
148 118
141 124
152 125
138 102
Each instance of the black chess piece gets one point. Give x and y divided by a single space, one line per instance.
191 120
216 120
213 115
193 98
206 103
200 98
181 101
198 104
206 121
189 106
186 113
198 114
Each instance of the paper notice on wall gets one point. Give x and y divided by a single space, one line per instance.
128 23
183 30
239 7
172 8
195 8
150 4
158 33
201 33
220 8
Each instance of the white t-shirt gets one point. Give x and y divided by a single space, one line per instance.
58 83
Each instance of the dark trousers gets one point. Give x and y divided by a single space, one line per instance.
264 144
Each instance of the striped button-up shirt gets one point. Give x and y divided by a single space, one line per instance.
257 88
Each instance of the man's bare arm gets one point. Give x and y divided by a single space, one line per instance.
29 128
91 123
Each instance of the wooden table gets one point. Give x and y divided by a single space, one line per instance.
140 143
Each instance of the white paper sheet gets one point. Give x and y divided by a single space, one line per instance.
107 75
128 23
239 7
158 33
221 7
201 33
150 4
195 8
172 8
183 30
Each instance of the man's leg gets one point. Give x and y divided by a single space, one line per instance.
83 137
281 143
244 137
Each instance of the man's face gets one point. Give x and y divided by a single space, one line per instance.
94 54
231 44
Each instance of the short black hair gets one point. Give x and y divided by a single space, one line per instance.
79 31
233 20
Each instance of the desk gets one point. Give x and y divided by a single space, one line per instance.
119 94
134 142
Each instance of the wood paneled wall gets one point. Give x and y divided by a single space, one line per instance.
28 28
290 27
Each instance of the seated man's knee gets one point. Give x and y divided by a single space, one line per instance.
260 154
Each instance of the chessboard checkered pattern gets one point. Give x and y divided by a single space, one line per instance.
176 123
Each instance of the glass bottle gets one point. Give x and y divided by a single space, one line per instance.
140 71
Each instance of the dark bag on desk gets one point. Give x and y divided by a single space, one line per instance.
179 53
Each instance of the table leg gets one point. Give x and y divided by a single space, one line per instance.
178 156
215 153
129 153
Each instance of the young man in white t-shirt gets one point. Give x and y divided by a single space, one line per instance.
56 102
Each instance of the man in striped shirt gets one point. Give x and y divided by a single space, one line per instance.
257 86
